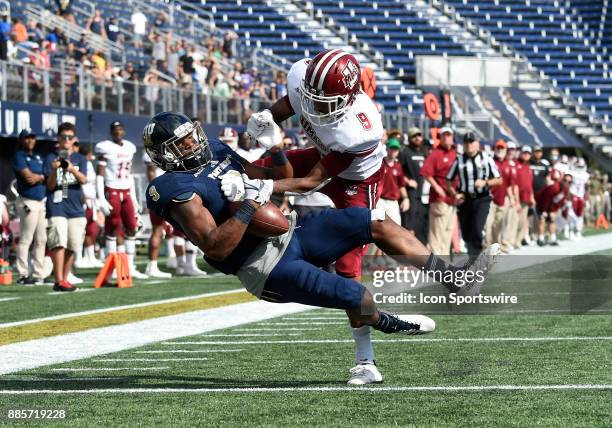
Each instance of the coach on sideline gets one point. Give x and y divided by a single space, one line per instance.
477 172
28 167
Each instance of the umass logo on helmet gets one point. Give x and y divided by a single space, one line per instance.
350 75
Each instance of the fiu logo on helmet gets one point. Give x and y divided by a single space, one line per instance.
147 132
350 75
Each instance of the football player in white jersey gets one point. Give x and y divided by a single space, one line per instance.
116 194
581 178
345 128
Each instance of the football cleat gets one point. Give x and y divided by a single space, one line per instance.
404 324
171 263
364 374
138 275
192 271
154 272
64 286
483 264
72 279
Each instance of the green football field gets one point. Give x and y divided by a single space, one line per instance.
474 370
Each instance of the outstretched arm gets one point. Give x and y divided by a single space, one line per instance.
217 242
281 110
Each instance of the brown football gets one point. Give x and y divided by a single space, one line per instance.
267 221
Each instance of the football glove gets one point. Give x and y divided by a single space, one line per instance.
232 186
262 129
238 188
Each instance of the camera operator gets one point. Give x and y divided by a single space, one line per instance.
28 167
66 172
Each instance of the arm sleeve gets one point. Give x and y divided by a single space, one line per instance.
47 166
493 171
427 168
19 162
452 172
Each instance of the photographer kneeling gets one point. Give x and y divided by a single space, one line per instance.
66 172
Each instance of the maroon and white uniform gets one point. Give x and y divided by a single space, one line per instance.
349 148
118 185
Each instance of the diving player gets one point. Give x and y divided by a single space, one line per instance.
345 128
192 196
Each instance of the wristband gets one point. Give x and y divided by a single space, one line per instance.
245 212
279 158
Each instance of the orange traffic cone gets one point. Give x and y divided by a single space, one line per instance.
602 222
119 263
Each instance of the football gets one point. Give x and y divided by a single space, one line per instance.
267 221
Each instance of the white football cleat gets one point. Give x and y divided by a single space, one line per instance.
416 324
171 263
154 272
138 275
73 279
192 271
364 374
483 264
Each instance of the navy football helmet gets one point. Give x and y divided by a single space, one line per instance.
163 136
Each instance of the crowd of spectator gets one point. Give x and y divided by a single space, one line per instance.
164 60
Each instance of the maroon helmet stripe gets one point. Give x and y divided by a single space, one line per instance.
316 75
329 65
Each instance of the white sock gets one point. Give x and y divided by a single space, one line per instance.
190 254
541 237
153 264
180 262
90 252
111 244
130 250
553 237
364 353
170 245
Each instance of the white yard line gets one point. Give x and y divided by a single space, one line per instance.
69 347
367 389
118 308
186 351
413 340
63 293
276 329
335 318
157 360
251 335
105 369
293 324
8 299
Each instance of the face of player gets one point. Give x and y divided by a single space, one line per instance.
118 133
66 140
525 156
472 148
446 140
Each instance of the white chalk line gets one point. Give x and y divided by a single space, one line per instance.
8 299
268 324
60 293
334 318
277 329
414 340
118 308
366 389
186 351
250 335
157 360
105 369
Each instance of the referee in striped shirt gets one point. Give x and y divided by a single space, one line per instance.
477 173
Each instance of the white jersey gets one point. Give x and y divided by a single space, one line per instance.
580 179
118 172
360 130
147 161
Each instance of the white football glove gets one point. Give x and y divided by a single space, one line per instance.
104 206
262 128
232 186
238 188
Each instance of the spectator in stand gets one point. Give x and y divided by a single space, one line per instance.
5 34
36 33
524 181
64 9
278 88
113 30
229 44
186 68
28 167
441 204
159 48
160 22
139 28
96 23
173 60
65 172
412 159
19 32
497 211
81 48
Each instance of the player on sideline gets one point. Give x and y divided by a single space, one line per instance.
345 128
117 195
192 196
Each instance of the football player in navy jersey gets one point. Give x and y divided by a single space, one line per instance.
203 177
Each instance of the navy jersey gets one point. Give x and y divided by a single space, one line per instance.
34 162
176 187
